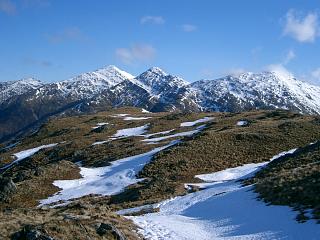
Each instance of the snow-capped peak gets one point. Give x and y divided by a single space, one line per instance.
30 80
275 89
15 88
111 69
87 85
158 82
157 70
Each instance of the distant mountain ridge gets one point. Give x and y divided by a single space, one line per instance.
28 101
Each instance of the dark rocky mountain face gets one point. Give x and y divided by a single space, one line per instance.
28 102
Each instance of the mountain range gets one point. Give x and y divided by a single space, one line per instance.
28 102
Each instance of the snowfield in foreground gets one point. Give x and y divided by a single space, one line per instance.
223 210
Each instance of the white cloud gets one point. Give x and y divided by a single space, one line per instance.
189 27
152 20
138 52
8 7
315 74
280 70
303 29
124 55
290 55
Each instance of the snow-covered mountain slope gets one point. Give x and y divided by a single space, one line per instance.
155 91
15 88
157 81
88 84
169 91
267 90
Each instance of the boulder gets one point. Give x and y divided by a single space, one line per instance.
109 230
7 188
30 232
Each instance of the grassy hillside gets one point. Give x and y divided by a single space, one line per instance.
224 143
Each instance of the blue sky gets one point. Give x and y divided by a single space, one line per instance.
56 39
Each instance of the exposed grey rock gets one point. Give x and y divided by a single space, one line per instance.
108 229
7 188
30 232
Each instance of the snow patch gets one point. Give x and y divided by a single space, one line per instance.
223 210
99 142
135 118
27 153
100 125
129 132
181 134
120 115
202 120
104 180
144 111
242 123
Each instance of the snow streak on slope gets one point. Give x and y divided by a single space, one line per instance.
27 153
98 125
202 120
104 180
224 210
181 134
135 118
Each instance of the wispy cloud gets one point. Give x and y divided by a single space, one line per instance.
152 20
315 75
35 62
68 34
136 53
8 7
289 57
280 70
11 7
303 29
189 27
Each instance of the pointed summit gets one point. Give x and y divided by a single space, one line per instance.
157 70
113 70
